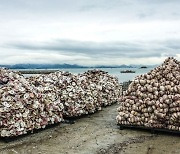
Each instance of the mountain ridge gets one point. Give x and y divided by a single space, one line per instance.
57 66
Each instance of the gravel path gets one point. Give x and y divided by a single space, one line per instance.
98 134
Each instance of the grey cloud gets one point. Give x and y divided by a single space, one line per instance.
119 9
173 44
106 49
88 8
80 46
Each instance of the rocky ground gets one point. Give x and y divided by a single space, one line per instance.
98 134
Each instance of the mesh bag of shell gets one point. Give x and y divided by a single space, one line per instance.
80 94
22 107
153 99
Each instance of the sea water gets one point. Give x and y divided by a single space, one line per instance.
122 77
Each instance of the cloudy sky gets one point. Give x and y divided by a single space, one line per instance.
89 32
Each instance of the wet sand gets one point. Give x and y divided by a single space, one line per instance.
93 134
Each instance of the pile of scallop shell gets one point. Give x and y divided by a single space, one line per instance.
153 99
33 103
22 107
80 94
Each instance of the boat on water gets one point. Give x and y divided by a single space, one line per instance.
143 67
127 71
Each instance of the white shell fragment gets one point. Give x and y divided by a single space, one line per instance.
153 99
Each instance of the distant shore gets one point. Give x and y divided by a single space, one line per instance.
37 71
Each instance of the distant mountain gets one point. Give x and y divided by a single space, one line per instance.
41 66
58 66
